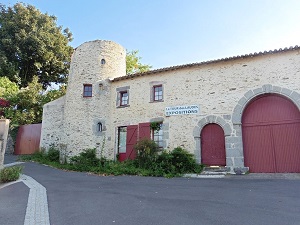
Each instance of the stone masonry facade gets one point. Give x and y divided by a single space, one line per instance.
221 88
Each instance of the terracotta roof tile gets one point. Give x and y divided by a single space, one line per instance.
150 72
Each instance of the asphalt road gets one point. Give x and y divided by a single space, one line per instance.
82 199
13 202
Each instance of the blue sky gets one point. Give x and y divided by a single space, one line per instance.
175 32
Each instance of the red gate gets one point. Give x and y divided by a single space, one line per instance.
271 135
213 145
28 139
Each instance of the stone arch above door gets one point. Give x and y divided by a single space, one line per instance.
265 89
201 124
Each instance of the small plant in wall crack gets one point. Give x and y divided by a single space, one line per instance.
102 146
102 159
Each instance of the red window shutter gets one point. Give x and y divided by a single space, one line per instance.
144 131
131 139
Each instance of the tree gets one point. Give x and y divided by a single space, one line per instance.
51 95
133 64
7 88
26 106
31 44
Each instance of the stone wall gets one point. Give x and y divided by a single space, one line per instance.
218 89
52 124
92 63
4 127
221 89
9 145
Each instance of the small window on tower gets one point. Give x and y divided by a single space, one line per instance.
102 61
87 90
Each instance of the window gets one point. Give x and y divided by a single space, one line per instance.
122 133
99 128
123 98
102 61
157 135
122 136
157 93
87 90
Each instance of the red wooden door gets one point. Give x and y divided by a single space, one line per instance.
28 139
271 135
131 139
287 147
213 145
261 156
144 131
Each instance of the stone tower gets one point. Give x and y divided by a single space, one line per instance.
93 64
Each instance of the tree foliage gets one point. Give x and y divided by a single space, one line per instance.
26 106
7 88
133 63
31 44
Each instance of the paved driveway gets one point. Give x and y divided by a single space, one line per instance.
79 199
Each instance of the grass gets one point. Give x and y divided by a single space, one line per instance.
9 174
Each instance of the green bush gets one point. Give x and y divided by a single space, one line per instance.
175 163
168 164
10 173
38 156
42 156
85 160
163 164
183 161
53 154
146 153
149 162
120 168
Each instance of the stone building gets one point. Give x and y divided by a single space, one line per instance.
241 112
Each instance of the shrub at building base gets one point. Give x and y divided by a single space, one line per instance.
164 163
146 153
150 161
176 163
86 160
42 156
53 154
9 174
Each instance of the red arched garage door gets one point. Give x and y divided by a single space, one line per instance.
271 135
213 145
